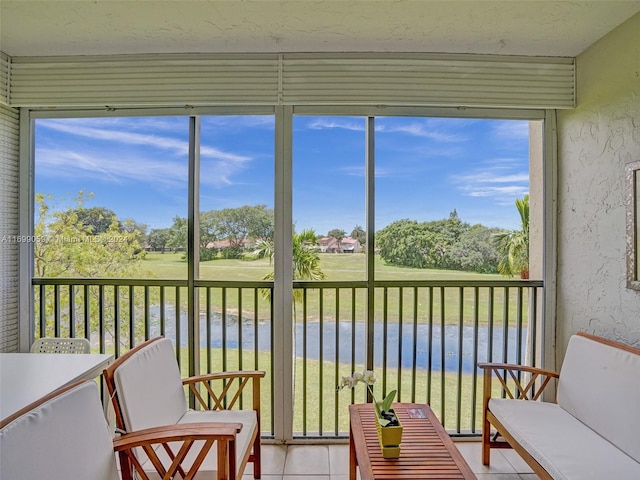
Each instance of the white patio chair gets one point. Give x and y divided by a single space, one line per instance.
61 345
147 391
64 436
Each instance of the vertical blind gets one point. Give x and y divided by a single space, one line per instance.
4 79
9 271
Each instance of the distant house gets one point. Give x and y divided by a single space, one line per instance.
328 245
347 245
350 245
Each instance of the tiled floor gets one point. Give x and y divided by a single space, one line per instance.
331 462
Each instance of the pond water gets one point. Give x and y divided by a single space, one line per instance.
444 346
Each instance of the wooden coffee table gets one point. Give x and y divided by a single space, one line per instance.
427 451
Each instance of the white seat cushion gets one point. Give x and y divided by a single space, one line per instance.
208 469
565 447
149 387
64 438
600 386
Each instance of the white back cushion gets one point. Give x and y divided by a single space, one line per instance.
64 438
149 387
600 386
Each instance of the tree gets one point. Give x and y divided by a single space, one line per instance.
339 235
178 233
407 243
513 245
159 238
236 225
359 234
97 219
70 248
474 251
306 260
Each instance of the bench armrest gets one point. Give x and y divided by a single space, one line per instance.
524 392
176 441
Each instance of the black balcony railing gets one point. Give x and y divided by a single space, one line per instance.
421 338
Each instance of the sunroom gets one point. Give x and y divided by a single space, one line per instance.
331 85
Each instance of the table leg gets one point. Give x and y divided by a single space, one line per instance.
352 456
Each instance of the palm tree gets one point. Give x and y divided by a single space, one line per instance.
339 235
306 260
513 245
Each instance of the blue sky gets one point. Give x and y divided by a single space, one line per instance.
425 167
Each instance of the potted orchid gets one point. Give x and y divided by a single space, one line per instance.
388 425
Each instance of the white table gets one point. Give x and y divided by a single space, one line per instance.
27 377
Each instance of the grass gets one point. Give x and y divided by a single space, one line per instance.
393 304
337 267
322 411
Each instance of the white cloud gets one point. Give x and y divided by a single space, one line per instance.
422 129
489 177
131 138
239 121
322 123
354 171
498 180
486 191
512 129
170 168
71 164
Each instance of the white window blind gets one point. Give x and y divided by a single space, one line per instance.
293 79
9 247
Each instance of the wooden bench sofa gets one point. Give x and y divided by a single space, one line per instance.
591 432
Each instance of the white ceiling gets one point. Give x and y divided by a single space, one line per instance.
516 27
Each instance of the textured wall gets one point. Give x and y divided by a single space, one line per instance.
596 140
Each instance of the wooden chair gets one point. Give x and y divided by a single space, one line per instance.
518 382
147 391
64 435
61 345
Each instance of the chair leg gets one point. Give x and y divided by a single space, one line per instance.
486 441
257 468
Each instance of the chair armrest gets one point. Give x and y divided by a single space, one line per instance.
224 376
176 441
518 368
177 432
231 386
524 392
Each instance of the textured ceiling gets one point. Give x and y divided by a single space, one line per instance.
517 27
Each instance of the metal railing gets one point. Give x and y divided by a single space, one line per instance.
421 338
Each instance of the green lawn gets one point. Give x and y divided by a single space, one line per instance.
337 267
324 410
318 408
423 303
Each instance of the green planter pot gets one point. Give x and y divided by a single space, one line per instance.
390 439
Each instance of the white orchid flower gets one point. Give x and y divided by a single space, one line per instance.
368 377
347 382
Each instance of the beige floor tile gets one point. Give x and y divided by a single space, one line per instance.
273 459
529 476
339 459
262 477
498 476
306 460
472 452
306 477
516 460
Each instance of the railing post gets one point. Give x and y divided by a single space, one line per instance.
193 251
370 229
